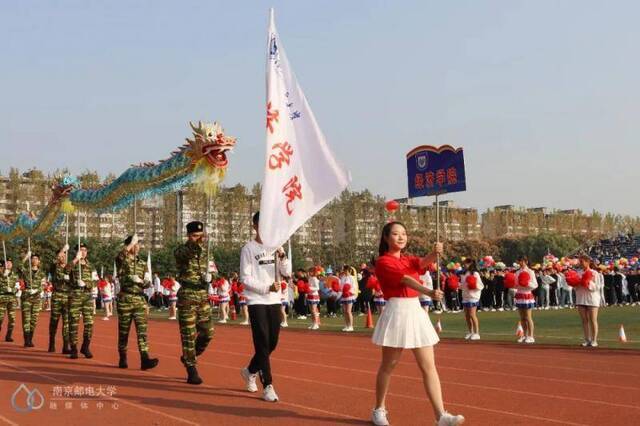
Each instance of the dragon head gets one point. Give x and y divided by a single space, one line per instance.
210 142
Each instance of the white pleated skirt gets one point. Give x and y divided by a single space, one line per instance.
404 324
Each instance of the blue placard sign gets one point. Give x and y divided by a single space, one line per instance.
435 170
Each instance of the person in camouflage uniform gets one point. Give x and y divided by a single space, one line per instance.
8 300
132 302
83 281
34 278
60 272
194 310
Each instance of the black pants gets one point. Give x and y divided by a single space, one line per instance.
331 306
265 328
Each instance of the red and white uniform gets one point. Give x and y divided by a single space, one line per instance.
587 287
525 283
223 290
374 285
427 281
242 299
284 293
471 287
349 290
313 294
105 290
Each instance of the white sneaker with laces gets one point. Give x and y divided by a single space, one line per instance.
529 340
249 380
269 394
468 336
379 417
447 419
474 336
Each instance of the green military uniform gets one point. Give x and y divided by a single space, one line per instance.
8 301
194 310
61 279
31 301
81 303
132 302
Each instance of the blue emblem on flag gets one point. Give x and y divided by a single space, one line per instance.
273 47
421 161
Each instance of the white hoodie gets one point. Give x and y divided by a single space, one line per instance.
257 273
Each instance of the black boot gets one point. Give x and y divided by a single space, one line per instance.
192 376
66 347
85 348
147 363
31 345
52 342
73 352
200 346
8 337
123 360
25 335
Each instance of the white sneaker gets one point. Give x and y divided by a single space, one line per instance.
437 311
247 323
222 322
529 340
284 324
585 343
521 339
493 309
500 309
593 344
249 380
447 419
468 336
172 318
379 417
474 336
314 327
348 329
105 318
270 394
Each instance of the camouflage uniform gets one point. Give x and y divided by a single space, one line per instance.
81 303
61 278
194 310
132 302
31 299
8 301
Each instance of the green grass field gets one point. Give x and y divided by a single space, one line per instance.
561 327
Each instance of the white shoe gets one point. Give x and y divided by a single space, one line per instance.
493 309
314 327
529 340
521 339
379 417
447 419
593 344
302 317
474 336
247 323
105 318
222 322
249 380
348 329
500 309
284 324
585 343
269 394
172 318
468 336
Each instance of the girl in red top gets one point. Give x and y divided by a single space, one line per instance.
404 324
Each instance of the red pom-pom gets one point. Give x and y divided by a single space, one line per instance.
586 278
453 282
346 290
509 280
373 283
472 282
240 288
22 285
572 277
523 279
283 285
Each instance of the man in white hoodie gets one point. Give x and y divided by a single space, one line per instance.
262 290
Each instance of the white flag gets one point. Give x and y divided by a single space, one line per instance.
301 173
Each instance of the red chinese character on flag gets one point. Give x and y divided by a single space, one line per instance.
440 177
271 116
429 178
283 155
418 181
452 176
292 190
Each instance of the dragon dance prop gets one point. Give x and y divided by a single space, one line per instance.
201 161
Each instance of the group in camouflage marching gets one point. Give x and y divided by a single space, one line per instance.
74 283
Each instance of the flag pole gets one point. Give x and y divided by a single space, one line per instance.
4 253
66 237
78 251
437 241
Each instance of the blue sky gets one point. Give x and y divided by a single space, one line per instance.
542 95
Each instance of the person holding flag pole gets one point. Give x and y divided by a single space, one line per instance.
301 176
8 287
61 277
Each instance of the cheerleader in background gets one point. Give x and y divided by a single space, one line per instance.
242 303
348 287
471 291
313 298
94 297
173 286
284 303
510 282
587 289
427 281
48 289
107 297
451 292
223 288
378 297
525 301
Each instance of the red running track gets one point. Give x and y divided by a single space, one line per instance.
321 378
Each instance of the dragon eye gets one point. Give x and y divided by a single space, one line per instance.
210 134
